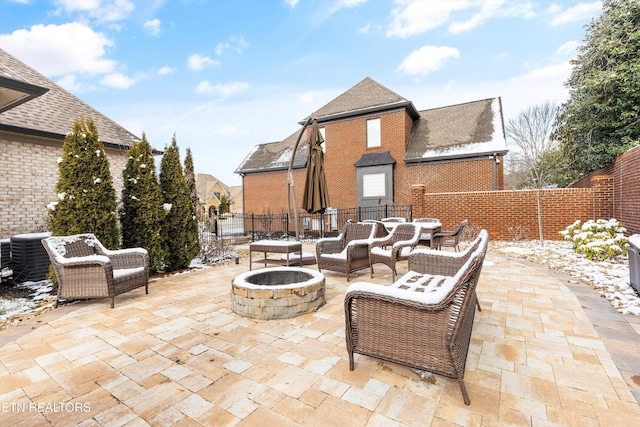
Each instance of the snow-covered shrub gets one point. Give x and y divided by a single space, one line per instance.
597 240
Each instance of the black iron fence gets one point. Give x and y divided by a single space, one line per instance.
281 226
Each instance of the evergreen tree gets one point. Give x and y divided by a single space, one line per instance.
141 214
190 178
86 197
600 120
224 205
180 227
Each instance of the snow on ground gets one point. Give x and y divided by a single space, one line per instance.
39 297
610 278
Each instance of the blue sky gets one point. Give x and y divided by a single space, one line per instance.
227 75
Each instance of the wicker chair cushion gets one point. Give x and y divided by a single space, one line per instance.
124 272
343 254
404 252
425 289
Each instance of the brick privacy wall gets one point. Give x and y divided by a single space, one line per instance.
625 173
345 144
29 173
507 213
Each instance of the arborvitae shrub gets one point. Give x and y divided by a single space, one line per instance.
180 227
141 213
86 197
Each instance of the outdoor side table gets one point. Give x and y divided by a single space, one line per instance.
274 246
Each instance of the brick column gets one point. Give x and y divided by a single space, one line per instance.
603 202
417 200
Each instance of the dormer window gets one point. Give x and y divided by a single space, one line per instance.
373 133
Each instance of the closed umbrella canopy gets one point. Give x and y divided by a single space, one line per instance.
316 196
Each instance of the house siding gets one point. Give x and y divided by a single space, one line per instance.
346 142
29 173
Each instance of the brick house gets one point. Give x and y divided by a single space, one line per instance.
377 145
31 137
210 192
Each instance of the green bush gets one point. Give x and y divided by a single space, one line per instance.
597 240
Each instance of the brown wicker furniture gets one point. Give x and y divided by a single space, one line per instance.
423 321
349 251
86 269
275 246
430 226
451 238
395 247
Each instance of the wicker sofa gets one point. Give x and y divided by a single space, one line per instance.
424 320
86 269
395 247
349 251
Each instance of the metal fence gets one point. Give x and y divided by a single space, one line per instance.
281 226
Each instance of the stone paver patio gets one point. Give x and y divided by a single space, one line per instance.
543 353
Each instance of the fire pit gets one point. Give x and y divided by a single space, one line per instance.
277 292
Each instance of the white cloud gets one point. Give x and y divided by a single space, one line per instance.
56 50
101 10
579 12
166 70
557 71
71 84
365 28
291 3
427 59
568 48
415 16
237 44
198 62
117 81
153 26
489 9
226 90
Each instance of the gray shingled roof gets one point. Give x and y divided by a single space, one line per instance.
52 114
275 155
366 95
458 131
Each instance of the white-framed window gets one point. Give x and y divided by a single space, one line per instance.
373 133
324 136
373 185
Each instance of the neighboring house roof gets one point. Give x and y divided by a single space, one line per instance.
468 130
52 114
458 131
206 186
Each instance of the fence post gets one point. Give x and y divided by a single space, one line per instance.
253 227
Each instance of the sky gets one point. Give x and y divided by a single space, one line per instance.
224 76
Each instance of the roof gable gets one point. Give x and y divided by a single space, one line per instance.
53 113
365 97
275 155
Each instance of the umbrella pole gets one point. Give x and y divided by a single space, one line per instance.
291 192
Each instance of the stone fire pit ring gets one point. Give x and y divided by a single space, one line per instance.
277 292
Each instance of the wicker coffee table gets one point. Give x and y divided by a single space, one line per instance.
275 246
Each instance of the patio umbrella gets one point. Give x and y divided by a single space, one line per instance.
315 197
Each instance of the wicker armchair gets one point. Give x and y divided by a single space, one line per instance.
430 224
395 247
423 321
86 269
450 239
349 251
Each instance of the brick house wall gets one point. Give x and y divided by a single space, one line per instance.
345 142
29 173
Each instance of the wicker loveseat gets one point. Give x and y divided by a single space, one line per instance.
349 251
423 321
86 269
395 247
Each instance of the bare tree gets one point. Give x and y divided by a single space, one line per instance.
531 133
